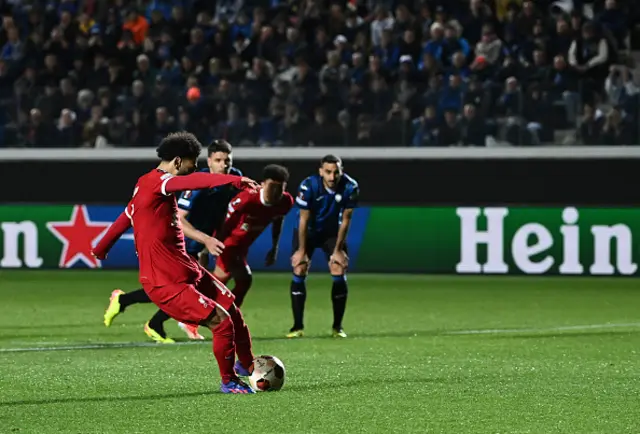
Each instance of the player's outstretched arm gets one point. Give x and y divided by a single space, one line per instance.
115 231
201 180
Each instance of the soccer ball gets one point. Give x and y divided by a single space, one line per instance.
268 374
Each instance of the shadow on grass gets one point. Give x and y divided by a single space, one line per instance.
130 323
351 383
105 399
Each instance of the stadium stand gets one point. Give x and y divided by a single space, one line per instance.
103 73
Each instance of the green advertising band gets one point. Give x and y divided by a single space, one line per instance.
501 240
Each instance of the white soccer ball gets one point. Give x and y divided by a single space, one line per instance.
268 374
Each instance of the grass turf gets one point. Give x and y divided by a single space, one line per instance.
411 363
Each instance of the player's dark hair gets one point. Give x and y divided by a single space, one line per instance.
331 159
276 173
219 145
181 144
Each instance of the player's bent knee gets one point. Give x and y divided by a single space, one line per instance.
216 318
221 275
336 269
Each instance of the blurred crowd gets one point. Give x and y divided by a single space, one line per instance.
121 73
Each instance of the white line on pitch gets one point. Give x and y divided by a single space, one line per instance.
115 345
541 329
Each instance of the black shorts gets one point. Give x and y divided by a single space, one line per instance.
327 244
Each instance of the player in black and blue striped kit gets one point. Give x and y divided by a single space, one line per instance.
325 205
201 213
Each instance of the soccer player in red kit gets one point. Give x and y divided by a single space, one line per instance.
249 213
172 279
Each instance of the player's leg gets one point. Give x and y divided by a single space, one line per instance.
243 279
190 306
241 337
298 290
217 291
200 255
339 289
120 300
234 265
154 328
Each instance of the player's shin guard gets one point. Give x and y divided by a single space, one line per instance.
224 349
339 292
133 297
242 338
241 288
298 298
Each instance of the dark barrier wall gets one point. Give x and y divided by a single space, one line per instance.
591 181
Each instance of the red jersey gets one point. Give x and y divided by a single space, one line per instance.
158 236
157 233
248 215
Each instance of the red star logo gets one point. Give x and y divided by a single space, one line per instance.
78 236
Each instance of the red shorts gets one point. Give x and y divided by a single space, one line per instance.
192 303
233 259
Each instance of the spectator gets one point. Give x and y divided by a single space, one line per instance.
13 49
323 132
490 46
117 129
562 85
589 55
144 72
620 86
613 19
387 51
68 134
293 126
383 21
617 129
435 46
450 132
452 96
563 38
473 129
510 103
137 25
537 115
590 132
425 128
37 133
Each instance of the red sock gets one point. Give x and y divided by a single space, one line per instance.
240 290
224 349
243 338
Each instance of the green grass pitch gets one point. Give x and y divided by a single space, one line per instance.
424 355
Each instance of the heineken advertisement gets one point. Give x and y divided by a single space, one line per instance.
463 240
